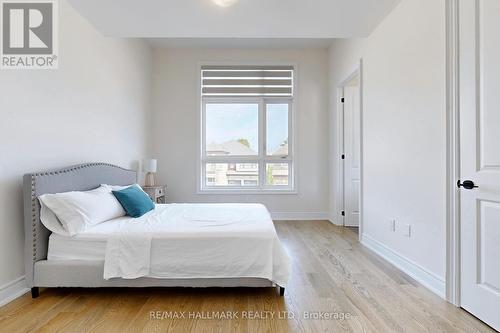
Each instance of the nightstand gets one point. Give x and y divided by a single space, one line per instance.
158 193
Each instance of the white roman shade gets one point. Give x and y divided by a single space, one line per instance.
246 81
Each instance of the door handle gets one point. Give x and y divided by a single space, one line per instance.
467 184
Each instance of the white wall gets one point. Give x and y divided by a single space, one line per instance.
176 113
95 107
404 130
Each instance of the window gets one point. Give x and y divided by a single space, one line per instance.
247 128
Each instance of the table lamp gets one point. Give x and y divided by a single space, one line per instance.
149 166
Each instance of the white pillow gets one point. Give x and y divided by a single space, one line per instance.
50 221
120 187
79 210
116 187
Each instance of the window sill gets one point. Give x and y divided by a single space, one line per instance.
247 192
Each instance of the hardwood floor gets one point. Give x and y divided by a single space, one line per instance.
333 275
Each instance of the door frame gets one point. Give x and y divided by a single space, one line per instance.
356 72
452 154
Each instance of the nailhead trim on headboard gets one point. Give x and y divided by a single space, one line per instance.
46 173
33 211
34 198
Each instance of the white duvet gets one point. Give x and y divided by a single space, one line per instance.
198 241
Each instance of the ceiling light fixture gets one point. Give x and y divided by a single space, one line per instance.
224 3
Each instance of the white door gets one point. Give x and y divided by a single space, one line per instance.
351 153
479 54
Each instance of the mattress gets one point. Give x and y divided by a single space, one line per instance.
182 241
91 243
88 245
75 248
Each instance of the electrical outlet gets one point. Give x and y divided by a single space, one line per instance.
392 225
407 230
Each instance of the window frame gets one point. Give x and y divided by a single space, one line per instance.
262 159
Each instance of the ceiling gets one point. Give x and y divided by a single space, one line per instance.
186 22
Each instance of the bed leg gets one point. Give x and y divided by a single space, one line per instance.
282 291
35 292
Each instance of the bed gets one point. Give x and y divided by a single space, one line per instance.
190 245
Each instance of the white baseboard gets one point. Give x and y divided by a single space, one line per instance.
12 290
295 216
428 279
335 221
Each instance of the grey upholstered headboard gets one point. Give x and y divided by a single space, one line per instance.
75 178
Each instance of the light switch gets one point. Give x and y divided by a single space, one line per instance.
407 230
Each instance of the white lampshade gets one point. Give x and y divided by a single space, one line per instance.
149 165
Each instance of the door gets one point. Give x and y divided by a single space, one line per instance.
479 54
351 152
